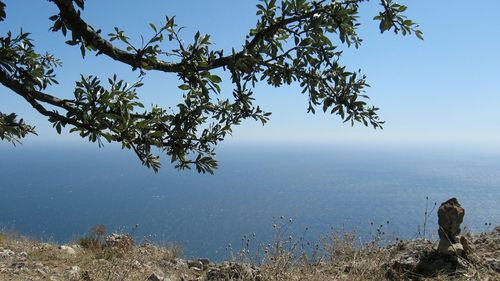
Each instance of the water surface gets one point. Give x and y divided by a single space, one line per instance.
59 193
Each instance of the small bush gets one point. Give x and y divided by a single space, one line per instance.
95 241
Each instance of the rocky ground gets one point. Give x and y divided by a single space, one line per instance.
420 259
117 258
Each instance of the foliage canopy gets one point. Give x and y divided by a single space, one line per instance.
293 41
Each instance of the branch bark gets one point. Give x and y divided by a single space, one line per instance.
76 24
33 97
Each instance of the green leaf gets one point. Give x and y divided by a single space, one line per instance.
184 87
215 79
419 34
153 27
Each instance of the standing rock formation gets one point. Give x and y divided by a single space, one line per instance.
450 216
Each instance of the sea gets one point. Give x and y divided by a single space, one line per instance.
306 192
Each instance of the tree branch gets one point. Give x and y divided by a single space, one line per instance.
76 24
33 97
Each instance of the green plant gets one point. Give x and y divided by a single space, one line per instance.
293 42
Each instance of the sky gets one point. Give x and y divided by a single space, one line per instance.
444 89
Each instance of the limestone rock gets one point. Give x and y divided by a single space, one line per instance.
178 264
6 253
234 271
41 271
73 271
456 249
136 264
67 249
447 248
466 244
155 277
21 266
121 241
23 255
204 261
195 264
450 216
412 264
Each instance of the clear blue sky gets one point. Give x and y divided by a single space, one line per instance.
445 89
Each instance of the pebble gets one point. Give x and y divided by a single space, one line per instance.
19 266
195 265
204 261
67 249
6 253
41 271
23 255
155 277
73 271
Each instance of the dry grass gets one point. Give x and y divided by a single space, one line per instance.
44 260
344 259
339 256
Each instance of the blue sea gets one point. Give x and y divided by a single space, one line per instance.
58 193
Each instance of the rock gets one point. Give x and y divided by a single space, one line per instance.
67 249
178 264
447 248
456 249
195 264
136 264
409 265
404 264
204 261
23 255
418 259
155 277
450 216
41 271
19 266
73 271
467 245
234 271
121 241
6 253
443 246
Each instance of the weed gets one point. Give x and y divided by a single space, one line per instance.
96 240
